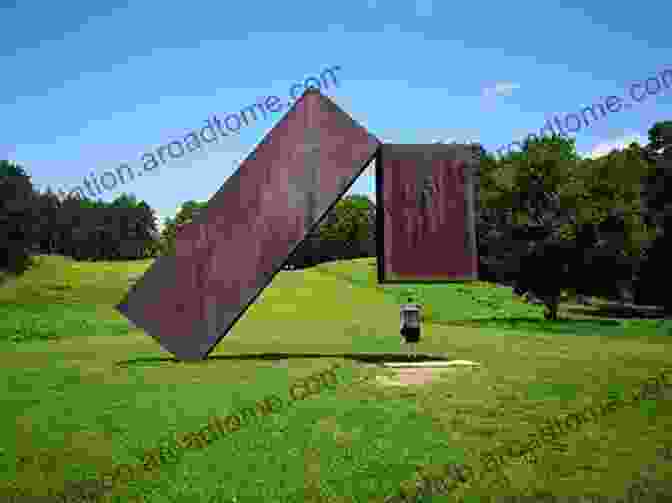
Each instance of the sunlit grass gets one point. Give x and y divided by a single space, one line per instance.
66 398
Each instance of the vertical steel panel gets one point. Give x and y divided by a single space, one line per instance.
231 251
428 202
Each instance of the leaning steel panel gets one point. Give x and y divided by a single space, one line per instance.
232 250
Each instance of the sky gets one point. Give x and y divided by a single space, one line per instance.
88 86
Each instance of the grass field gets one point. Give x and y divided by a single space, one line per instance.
86 391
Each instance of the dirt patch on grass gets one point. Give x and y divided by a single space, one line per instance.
417 376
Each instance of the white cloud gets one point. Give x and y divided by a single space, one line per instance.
501 89
465 140
604 148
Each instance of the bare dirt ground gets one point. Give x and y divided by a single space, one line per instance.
406 376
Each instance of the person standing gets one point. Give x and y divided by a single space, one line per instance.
410 325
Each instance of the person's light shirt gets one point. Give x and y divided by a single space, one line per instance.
410 315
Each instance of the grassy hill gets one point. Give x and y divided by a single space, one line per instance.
83 390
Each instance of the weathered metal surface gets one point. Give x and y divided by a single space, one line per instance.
232 250
426 224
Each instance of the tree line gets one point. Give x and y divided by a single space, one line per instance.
346 232
34 222
548 220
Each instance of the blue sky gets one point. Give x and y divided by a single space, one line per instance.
87 86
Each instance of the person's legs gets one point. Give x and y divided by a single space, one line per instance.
415 334
551 303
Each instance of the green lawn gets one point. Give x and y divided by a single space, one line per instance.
85 389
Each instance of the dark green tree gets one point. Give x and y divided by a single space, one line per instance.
562 221
172 226
347 232
18 202
529 202
654 273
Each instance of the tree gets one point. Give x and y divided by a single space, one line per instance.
611 212
660 139
347 231
653 281
549 210
529 202
172 226
17 223
48 206
658 185
654 275
95 230
349 226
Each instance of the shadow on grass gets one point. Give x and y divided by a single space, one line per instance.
622 312
372 358
564 326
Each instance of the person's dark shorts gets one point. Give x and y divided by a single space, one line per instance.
411 334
